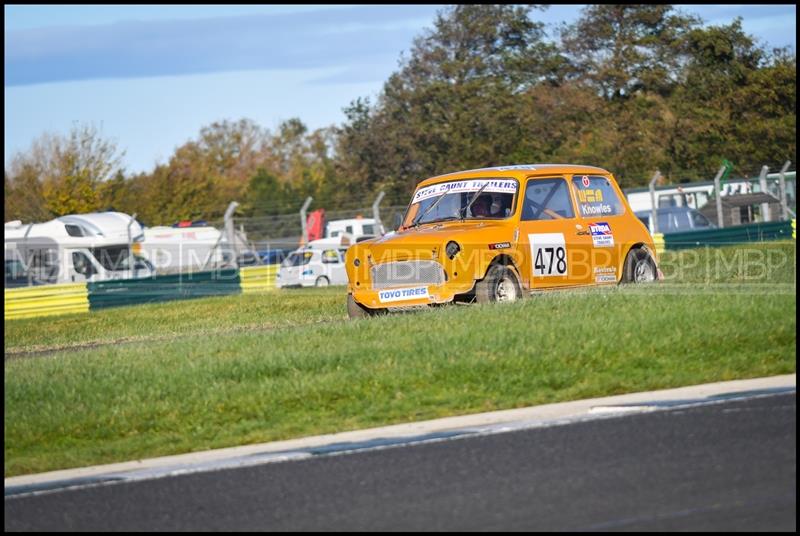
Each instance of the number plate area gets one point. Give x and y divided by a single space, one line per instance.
548 254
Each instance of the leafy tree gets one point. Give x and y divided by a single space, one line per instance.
24 199
66 171
453 104
622 49
736 101
265 194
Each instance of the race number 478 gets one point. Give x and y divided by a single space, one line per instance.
549 254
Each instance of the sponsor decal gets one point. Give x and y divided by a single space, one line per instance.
598 209
605 278
402 294
590 196
605 270
494 186
602 237
585 181
549 254
605 274
500 245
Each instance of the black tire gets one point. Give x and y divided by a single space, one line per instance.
501 284
639 267
356 310
322 281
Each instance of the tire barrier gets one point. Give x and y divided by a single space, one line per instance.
46 300
658 242
258 278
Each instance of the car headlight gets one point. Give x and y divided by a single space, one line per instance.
452 249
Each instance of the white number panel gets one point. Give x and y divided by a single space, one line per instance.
548 254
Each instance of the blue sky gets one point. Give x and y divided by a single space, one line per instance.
151 76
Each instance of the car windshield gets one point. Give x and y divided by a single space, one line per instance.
298 259
113 258
457 200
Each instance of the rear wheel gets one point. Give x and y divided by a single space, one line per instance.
322 281
639 267
356 310
500 285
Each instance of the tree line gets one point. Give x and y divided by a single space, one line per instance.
631 88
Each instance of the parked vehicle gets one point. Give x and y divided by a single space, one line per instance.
357 228
318 264
496 234
74 248
194 247
675 220
273 256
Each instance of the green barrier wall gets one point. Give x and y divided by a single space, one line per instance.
754 232
163 288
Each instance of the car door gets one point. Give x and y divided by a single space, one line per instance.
601 213
555 245
291 270
334 267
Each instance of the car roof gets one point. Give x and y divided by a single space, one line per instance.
517 171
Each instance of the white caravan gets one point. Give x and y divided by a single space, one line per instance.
75 248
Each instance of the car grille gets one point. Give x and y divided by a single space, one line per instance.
407 273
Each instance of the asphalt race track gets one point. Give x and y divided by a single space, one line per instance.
724 466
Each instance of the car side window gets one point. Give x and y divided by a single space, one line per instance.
330 256
547 199
666 223
596 196
82 264
700 220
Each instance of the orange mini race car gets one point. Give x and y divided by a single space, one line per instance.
496 234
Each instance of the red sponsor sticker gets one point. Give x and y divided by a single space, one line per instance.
585 180
500 245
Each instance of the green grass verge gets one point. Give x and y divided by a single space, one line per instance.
227 371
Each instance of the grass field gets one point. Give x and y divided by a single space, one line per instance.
176 377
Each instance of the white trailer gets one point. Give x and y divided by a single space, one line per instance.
193 249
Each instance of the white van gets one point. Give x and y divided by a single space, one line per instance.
318 264
74 248
358 228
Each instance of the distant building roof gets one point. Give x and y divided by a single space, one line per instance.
745 200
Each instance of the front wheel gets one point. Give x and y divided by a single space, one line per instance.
356 310
639 267
500 285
